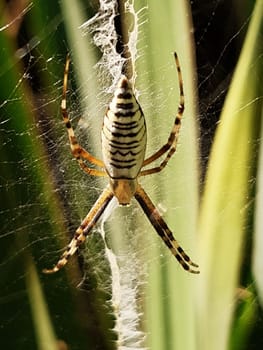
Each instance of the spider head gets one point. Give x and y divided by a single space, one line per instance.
123 190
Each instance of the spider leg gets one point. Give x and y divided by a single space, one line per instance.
84 229
78 152
171 143
163 230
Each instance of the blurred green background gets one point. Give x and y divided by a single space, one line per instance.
210 194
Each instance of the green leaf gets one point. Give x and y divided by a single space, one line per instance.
170 313
228 196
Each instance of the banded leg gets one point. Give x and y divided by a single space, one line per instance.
78 152
163 230
171 143
84 229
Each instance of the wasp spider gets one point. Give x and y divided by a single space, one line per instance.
123 140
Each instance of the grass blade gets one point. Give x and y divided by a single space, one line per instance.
227 196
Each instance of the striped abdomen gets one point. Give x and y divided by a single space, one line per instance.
123 134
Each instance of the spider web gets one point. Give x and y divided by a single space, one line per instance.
37 146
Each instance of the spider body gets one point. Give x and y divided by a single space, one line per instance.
123 140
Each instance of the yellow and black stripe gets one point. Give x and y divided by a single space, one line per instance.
123 134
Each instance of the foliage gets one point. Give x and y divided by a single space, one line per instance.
43 193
